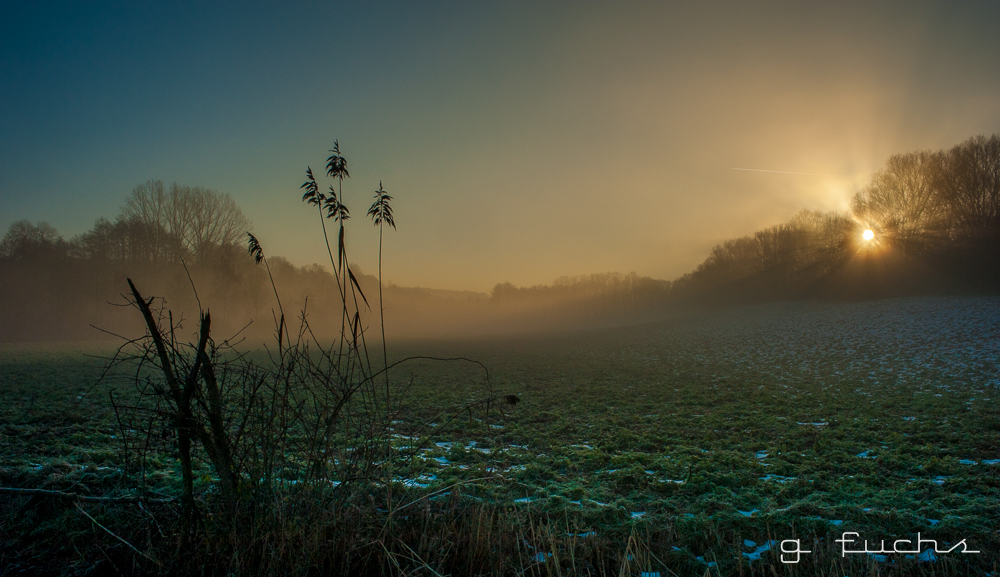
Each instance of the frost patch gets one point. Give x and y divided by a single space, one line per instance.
760 550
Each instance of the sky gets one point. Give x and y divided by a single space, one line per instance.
522 141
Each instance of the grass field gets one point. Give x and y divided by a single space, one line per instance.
679 447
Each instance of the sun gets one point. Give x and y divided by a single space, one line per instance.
868 234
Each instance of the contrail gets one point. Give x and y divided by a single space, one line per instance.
787 172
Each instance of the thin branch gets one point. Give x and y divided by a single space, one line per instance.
193 288
108 531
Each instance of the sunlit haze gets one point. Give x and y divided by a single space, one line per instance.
521 141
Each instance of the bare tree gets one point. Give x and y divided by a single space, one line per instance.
24 239
144 213
183 223
967 180
900 203
215 220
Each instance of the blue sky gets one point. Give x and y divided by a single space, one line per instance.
522 141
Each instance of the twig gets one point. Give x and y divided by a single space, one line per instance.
108 531
419 560
193 288
393 559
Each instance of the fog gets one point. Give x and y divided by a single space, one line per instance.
522 142
928 222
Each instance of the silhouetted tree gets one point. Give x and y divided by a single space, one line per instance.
967 180
900 204
30 241
183 223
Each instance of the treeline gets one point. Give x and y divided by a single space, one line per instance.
51 288
584 300
782 261
935 217
188 245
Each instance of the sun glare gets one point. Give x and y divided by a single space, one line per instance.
868 234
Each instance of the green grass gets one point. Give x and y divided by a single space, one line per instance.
705 425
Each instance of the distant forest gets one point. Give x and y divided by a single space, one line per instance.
935 218
936 223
